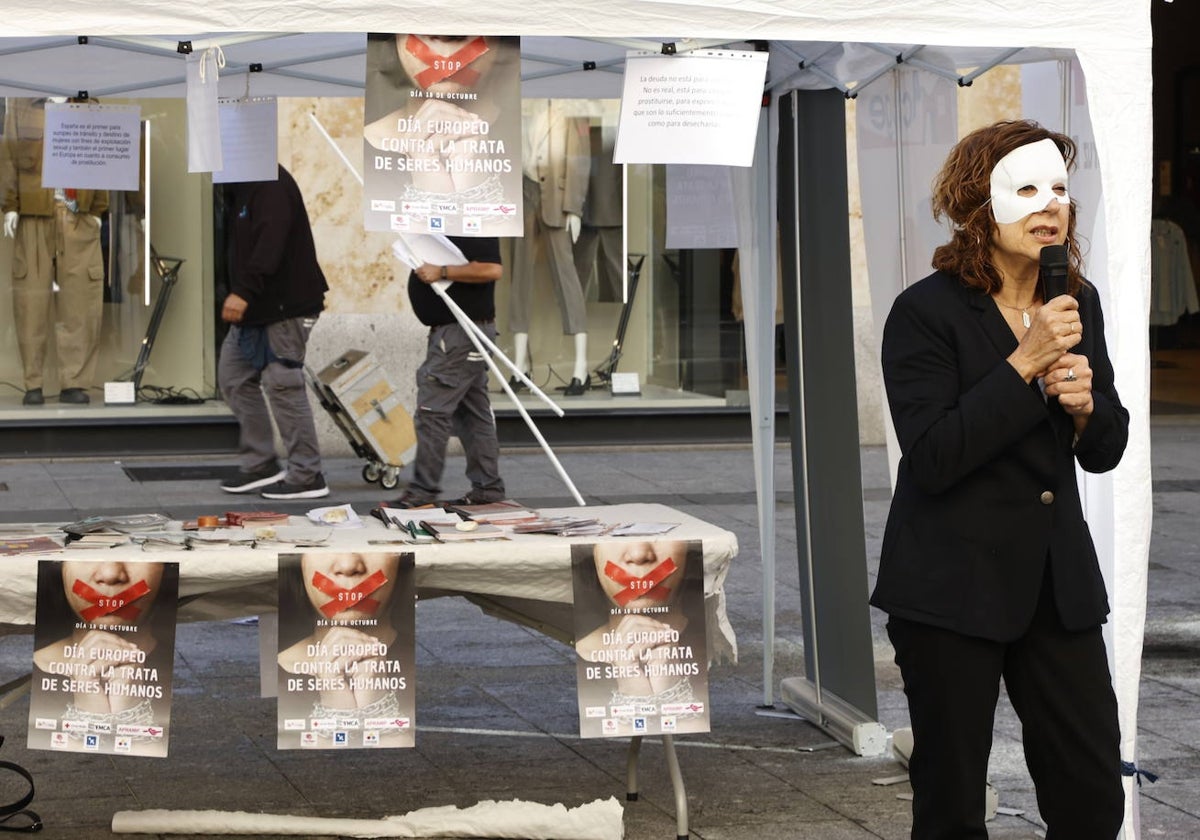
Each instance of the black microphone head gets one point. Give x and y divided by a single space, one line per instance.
1053 256
1053 271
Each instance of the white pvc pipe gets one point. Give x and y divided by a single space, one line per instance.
475 334
471 326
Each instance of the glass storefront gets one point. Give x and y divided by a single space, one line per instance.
104 286
660 319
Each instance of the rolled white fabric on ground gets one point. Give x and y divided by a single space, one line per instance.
512 820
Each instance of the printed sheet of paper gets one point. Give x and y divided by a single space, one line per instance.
249 140
699 107
92 147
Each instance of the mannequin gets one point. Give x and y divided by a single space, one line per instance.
58 264
600 235
557 161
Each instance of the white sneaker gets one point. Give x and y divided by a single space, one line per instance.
315 489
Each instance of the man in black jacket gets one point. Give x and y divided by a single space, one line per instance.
278 292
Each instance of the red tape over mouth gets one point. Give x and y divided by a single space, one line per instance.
344 599
649 585
455 67
120 604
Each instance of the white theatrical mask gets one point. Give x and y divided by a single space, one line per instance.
1038 166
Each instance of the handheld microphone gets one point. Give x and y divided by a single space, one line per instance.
1053 271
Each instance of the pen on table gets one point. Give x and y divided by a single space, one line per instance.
383 517
412 528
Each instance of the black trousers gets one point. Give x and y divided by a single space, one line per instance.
1060 687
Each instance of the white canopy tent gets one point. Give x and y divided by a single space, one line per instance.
133 49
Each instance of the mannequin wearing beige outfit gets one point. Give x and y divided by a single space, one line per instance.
557 161
58 264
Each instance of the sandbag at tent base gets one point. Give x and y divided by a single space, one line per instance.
598 820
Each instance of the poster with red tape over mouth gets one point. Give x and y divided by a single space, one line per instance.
346 651
642 660
104 647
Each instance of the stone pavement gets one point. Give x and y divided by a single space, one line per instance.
495 701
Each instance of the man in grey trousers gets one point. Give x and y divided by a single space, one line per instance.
277 294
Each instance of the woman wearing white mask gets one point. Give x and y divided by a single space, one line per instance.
997 389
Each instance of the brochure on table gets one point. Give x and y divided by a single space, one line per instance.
641 663
346 651
104 646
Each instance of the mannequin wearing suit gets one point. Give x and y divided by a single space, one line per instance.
603 219
557 159
58 264
988 570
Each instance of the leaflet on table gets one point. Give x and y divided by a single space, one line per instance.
33 544
641 529
503 512
121 524
103 651
560 525
463 531
403 516
346 651
641 649
218 538
296 535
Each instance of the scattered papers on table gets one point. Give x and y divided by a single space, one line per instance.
462 531
297 535
641 529
563 526
403 516
120 524
99 539
504 512
38 544
162 541
219 538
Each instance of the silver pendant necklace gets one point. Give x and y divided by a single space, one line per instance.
1026 320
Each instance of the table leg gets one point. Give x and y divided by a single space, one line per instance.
681 807
631 782
631 760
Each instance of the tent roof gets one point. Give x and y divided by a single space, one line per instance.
317 49
334 63
1052 23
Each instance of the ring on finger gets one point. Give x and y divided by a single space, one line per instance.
1070 377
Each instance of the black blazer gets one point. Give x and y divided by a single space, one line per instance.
986 491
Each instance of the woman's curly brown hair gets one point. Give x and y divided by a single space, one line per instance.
962 194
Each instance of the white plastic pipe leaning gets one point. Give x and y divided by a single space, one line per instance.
474 333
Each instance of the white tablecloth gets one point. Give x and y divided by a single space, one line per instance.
526 577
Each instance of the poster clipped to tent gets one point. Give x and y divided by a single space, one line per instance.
442 134
103 650
88 146
641 650
249 140
700 107
346 651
